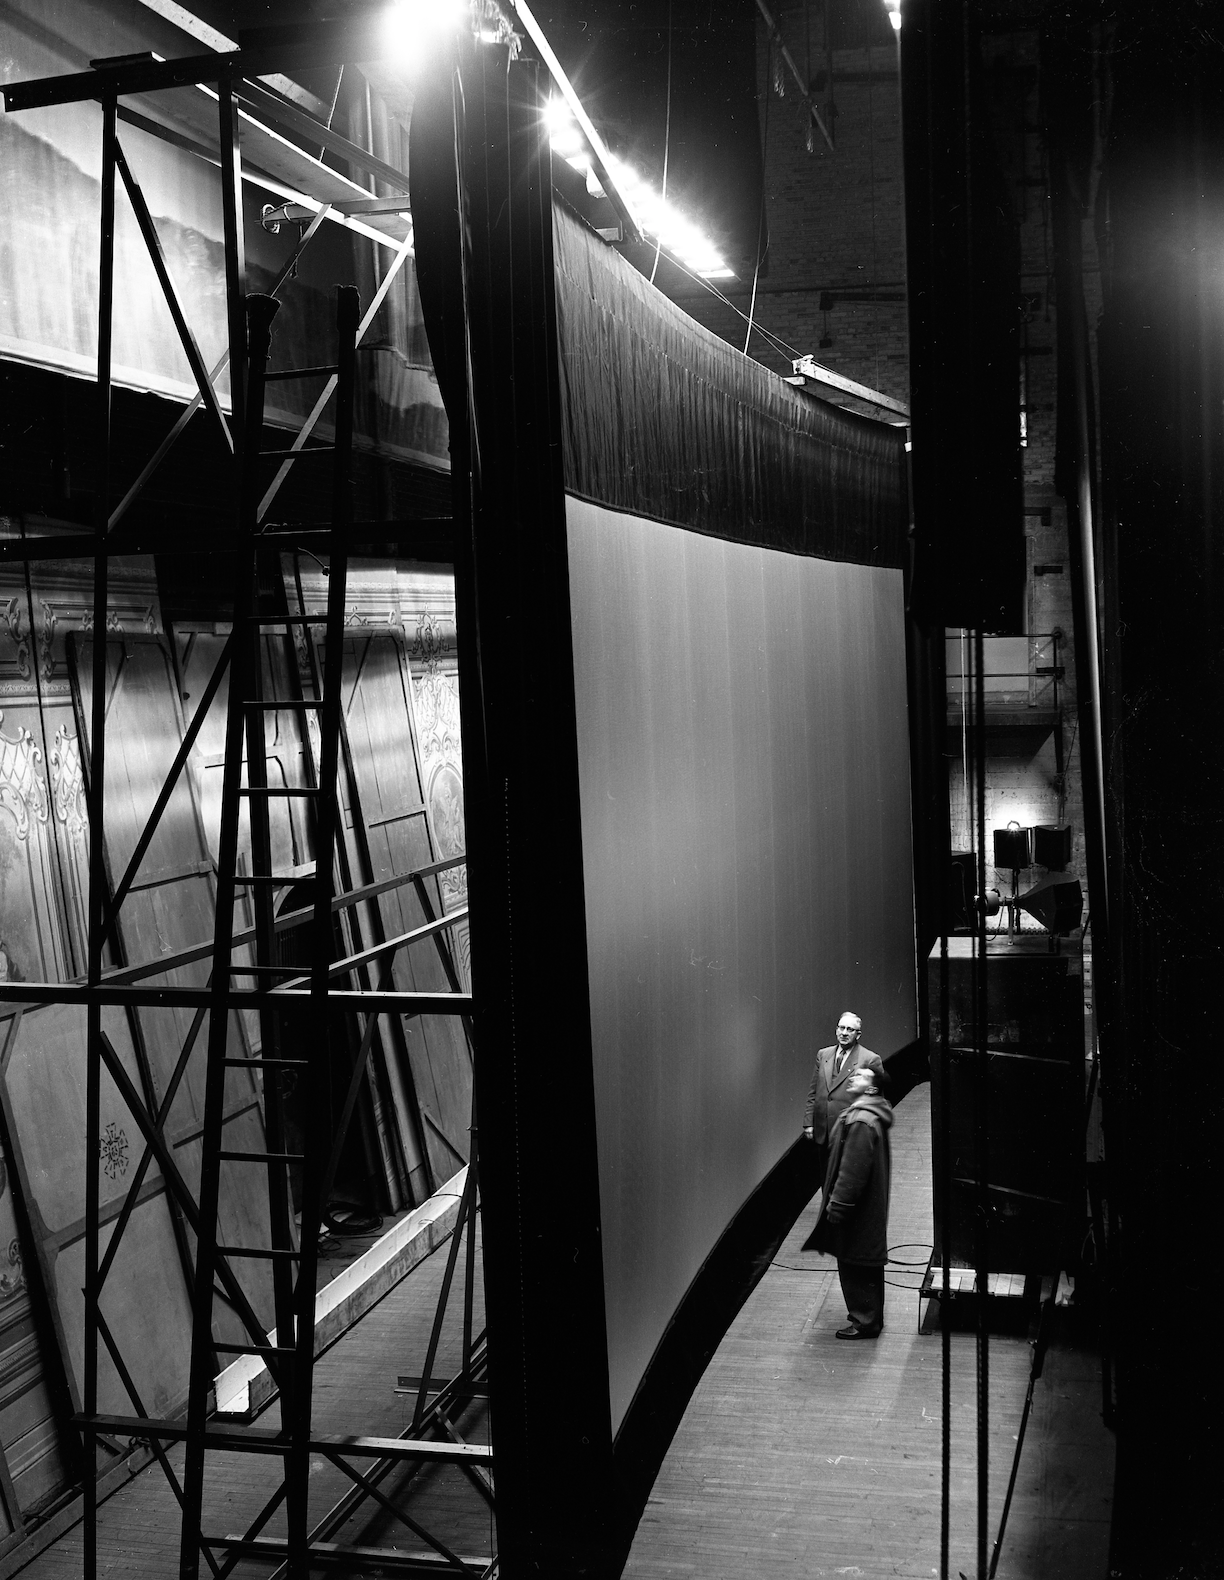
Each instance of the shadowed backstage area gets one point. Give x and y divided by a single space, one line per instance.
482 706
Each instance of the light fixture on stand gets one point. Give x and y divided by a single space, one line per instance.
1013 849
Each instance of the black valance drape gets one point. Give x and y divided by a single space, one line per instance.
663 419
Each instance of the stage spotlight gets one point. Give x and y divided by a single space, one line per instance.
1013 847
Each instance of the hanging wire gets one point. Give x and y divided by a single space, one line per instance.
964 679
982 1062
331 114
809 135
875 271
756 272
831 112
943 1195
666 133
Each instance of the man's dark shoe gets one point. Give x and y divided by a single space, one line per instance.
853 1332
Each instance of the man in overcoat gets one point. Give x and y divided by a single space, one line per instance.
853 1218
829 1096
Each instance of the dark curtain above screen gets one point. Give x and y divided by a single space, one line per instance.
649 396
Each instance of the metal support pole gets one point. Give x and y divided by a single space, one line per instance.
97 846
944 1186
235 258
202 1354
982 1062
296 1410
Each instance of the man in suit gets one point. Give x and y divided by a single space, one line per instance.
853 1218
828 1096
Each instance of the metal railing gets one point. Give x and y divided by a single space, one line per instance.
1019 671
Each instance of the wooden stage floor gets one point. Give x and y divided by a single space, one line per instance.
803 1455
354 1392
799 1455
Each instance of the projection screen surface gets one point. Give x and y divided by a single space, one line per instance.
744 781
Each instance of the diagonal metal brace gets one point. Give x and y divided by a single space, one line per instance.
167 789
175 1182
153 242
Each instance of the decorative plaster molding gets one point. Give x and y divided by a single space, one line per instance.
23 789
68 782
12 612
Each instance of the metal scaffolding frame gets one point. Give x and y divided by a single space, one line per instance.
278 991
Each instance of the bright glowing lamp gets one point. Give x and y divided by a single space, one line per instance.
563 134
660 220
412 27
893 7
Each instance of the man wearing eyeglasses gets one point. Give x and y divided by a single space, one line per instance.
829 1096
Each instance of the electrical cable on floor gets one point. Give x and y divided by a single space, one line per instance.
800 1267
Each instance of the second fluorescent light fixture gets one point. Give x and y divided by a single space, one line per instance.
660 220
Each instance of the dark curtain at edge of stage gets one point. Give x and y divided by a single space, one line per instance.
1162 382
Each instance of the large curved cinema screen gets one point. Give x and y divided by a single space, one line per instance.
744 774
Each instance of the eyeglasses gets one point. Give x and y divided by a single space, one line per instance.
847 1028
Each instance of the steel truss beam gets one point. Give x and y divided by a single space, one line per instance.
427 538
289 1351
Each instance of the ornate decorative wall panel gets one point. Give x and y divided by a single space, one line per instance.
170 907
145 1300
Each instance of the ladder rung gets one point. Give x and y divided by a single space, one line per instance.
260 1063
253 1349
302 373
434 1390
263 1253
264 971
292 455
278 880
262 1157
410 1382
289 619
259 1440
290 702
291 791
380 1560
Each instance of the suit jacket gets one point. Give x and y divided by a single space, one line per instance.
827 1097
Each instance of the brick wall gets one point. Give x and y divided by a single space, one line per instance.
835 219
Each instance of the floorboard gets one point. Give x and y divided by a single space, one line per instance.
354 1392
801 1454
